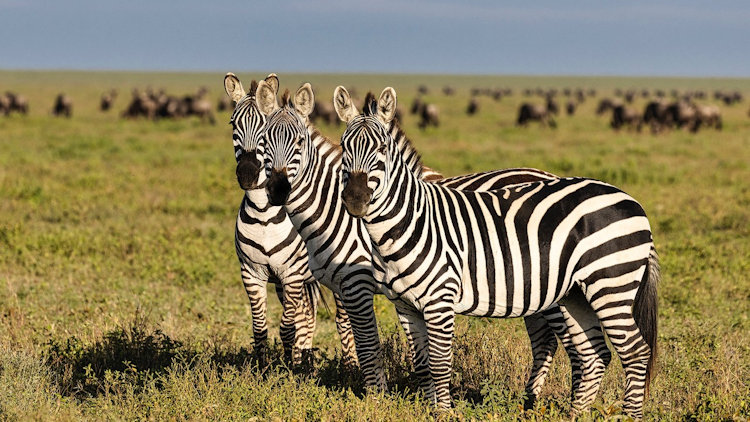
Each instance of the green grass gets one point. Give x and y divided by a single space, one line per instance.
120 295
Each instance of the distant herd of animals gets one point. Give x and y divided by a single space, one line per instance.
364 216
662 111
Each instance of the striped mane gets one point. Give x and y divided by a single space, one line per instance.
253 88
412 158
286 99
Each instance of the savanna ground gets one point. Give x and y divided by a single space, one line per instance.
120 295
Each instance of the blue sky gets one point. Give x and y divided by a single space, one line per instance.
671 37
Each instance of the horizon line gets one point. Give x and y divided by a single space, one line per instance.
354 72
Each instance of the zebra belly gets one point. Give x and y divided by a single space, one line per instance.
481 304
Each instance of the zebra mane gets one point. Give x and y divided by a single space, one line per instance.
370 106
286 98
316 135
411 157
253 88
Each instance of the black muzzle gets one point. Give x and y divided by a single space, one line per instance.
278 187
356 195
248 169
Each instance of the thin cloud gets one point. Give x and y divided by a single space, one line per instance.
592 12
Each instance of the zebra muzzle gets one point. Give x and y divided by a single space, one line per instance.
278 187
248 169
356 195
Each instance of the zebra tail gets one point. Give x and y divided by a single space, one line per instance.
646 309
313 293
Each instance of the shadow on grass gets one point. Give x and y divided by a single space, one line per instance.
138 355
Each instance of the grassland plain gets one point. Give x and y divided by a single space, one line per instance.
119 287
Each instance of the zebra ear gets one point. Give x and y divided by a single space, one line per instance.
387 105
343 104
265 98
304 100
273 81
233 87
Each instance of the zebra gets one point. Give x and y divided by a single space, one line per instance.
268 247
506 253
295 150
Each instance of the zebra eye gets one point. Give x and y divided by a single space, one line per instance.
381 149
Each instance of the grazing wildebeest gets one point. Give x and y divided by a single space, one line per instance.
591 92
606 104
570 107
142 105
416 105
473 106
17 103
198 105
170 107
528 112
681 114
429 116
579 95
449 90
324 112
656 115
422 89
623 115
629 96
4 104
108 98
552 106
731 98
225 104
707 115
63 106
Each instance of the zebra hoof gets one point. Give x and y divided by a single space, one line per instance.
529 401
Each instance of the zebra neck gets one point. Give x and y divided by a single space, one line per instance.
258 197
317 188
402 203
409 154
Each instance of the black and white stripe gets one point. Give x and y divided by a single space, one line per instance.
342 254
268 247
506 253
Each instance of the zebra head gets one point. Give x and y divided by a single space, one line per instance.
366 148
285 139
247 124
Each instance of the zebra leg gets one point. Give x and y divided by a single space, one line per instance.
543 348
357 297
439 318
344 328
616 317
585 335
416 334
293 321
286 325
310 306
255 287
